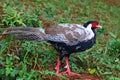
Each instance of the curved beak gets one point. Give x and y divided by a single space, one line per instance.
99 26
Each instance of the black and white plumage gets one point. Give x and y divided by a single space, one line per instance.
65 38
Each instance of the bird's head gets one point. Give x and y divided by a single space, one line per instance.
92 24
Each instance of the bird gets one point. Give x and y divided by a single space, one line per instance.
66 38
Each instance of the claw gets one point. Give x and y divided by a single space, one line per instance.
67 67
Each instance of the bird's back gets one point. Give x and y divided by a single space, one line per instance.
69 34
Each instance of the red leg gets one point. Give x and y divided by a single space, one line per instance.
57 66
67 67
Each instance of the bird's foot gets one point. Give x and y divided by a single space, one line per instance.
57 66
57 69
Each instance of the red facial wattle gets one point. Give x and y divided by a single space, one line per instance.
94 24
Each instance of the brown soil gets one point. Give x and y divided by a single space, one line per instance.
74 77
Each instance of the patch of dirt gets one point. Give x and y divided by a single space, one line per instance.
74 77
3 36
83 77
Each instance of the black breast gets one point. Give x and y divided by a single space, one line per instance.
66 50
82 46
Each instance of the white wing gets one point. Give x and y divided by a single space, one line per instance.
70 34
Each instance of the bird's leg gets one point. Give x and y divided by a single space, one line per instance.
57 66
67 67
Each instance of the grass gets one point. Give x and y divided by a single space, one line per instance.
33 60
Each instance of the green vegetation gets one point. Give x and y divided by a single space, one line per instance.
30 60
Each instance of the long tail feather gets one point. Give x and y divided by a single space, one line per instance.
27 33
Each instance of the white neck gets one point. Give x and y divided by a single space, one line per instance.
89 33
89 26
